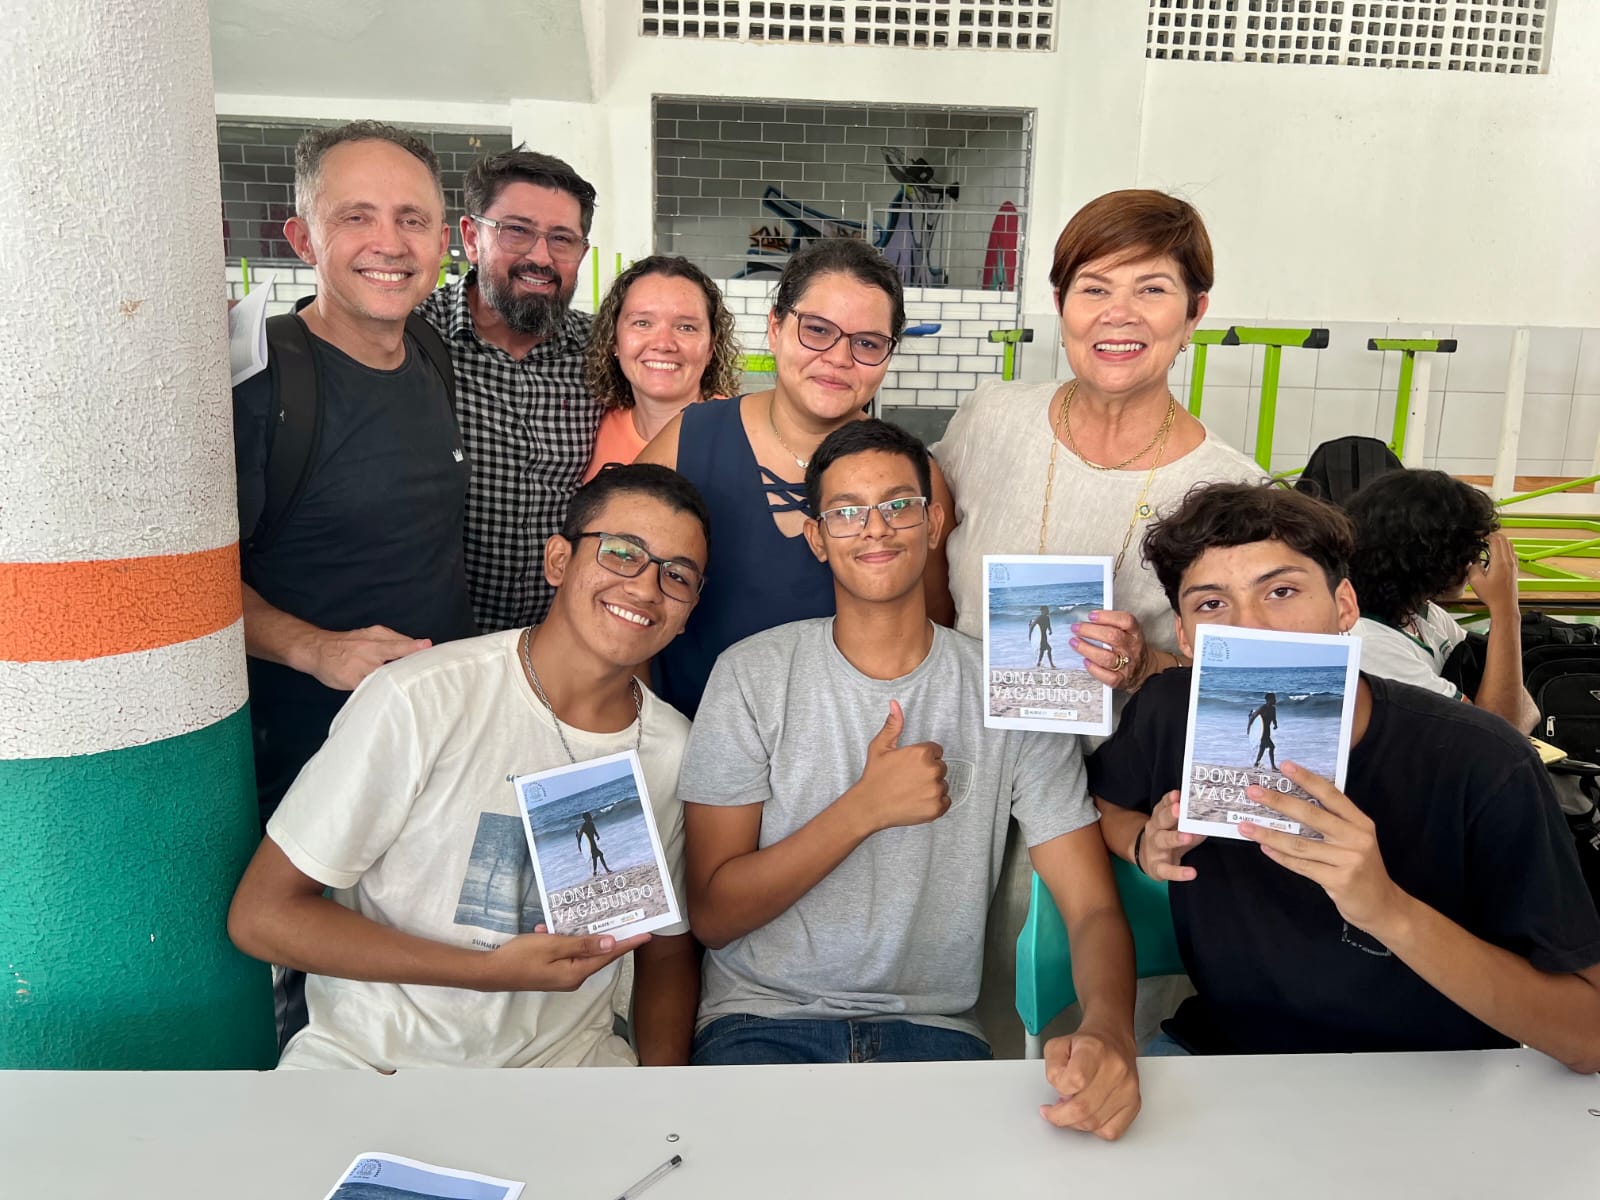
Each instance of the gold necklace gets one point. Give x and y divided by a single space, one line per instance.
1141 509
1064 420
802 463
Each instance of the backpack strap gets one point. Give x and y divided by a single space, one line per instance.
438 353
294 427
294 424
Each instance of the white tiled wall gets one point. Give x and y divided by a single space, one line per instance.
1347 389
1322 394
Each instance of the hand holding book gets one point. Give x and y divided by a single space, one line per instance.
1344 861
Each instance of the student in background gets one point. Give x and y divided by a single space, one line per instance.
1444 908
663 340
1421 538
846 810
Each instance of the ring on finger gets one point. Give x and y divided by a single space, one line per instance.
1122 661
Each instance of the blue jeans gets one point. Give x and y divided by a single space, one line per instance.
745 1040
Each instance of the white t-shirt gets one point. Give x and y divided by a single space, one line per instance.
407 812
1414 656
996 457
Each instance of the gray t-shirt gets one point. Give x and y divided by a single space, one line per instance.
897 930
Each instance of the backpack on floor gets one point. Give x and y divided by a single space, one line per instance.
1339 469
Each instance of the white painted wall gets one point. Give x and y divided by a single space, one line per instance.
1363 197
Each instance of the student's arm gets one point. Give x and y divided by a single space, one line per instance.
1501 691
336 660
734 887
666 996
1558 1013
280 915
936 573
1092 1069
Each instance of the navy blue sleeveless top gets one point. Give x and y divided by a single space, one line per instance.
757 578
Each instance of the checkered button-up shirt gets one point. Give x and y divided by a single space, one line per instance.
529 427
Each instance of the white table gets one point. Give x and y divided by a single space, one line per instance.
1502 1124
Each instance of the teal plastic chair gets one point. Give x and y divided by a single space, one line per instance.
1044 960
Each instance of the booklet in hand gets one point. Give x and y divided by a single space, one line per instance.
1035 679
1258 697
596 852
376 1176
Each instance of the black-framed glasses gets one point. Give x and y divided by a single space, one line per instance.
1482 556
514 237
818 333
850 520
623 556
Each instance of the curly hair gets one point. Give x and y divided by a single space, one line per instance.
1417 532
606 381
1216 515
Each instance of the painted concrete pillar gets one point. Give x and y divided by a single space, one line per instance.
127 810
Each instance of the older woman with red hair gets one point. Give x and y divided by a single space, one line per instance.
1081 467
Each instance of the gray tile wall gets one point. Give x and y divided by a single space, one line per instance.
716 159
257 165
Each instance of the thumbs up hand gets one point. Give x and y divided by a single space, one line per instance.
900 785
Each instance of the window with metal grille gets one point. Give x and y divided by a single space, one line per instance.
1500 36
929 25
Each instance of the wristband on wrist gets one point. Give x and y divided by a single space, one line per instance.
1137 842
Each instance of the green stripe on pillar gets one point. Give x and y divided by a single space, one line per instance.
115 874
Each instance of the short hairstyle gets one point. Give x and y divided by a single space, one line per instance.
314 143
609 385
640 479
1132 224
1417 532
487 177
859 437
840 256
1217 515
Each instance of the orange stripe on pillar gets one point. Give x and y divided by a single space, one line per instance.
58 612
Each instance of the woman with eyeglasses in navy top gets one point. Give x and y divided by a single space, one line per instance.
836 317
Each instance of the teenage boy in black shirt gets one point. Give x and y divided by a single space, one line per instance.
1444 910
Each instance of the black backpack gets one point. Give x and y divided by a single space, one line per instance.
294 427
1339 469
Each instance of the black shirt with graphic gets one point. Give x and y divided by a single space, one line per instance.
1466 822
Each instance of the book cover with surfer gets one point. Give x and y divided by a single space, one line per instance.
1036 680
597 855
1258 697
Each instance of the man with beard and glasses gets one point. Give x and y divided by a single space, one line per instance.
362 563
526 413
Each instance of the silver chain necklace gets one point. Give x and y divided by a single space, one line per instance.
526 642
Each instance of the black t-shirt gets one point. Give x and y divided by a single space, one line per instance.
1466 822
375 539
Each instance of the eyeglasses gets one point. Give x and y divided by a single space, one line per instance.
819 333
850 520
623 556
1482 556
563 245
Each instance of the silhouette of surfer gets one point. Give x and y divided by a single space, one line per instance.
597 858
1268 712
1043 622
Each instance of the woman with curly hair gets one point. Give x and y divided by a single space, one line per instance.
1421 537
662 340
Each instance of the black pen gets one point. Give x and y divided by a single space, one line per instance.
633 1191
